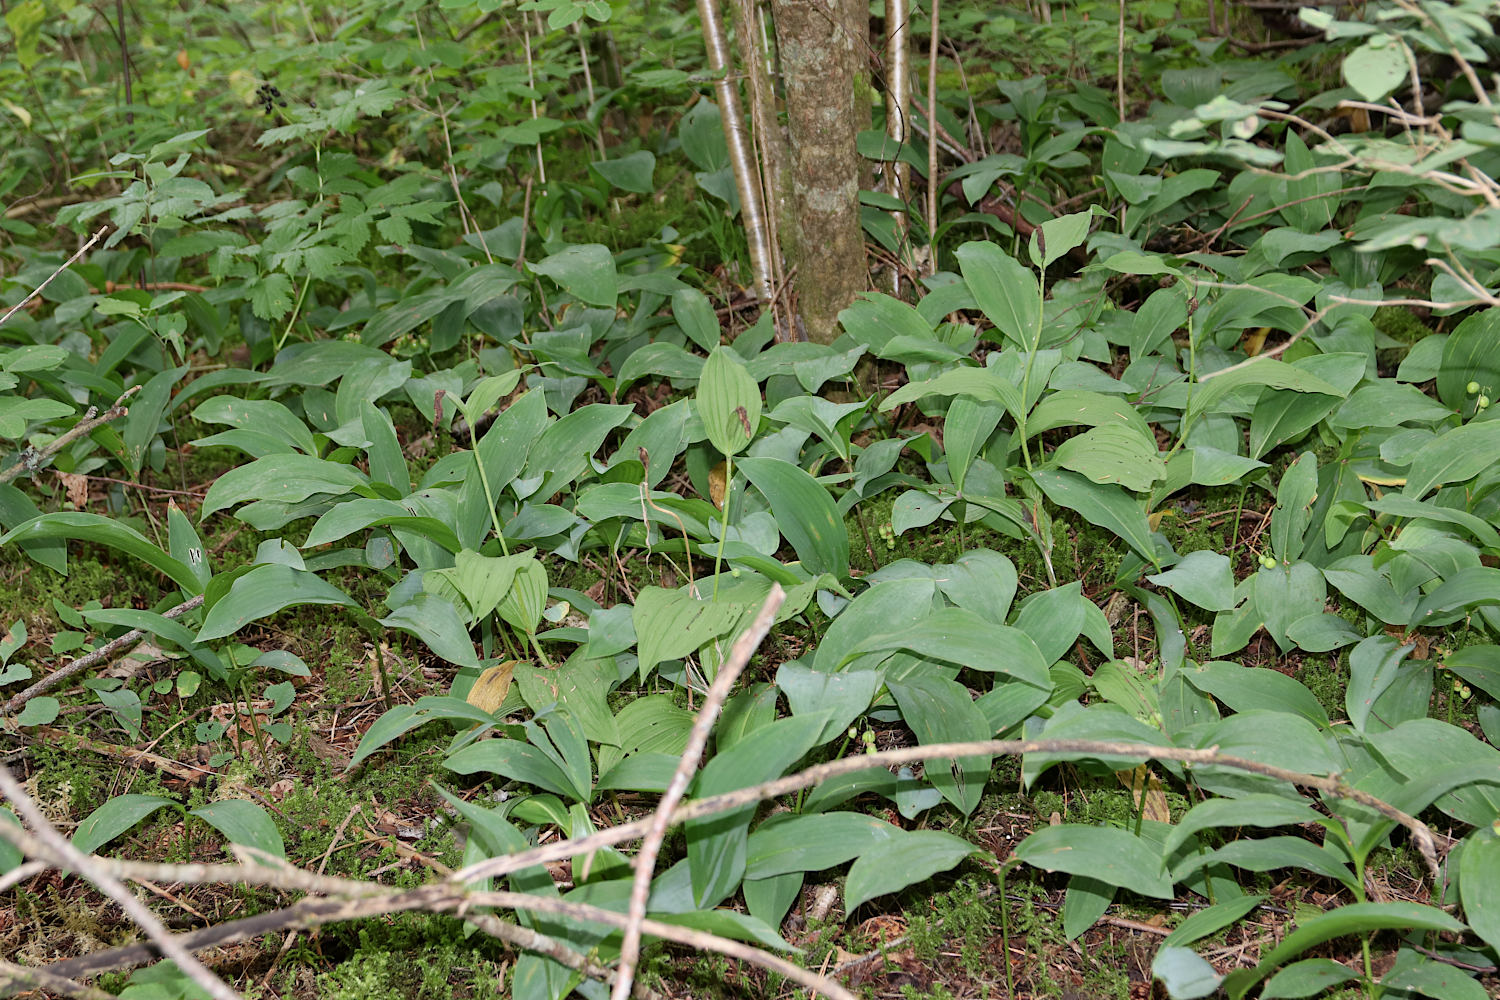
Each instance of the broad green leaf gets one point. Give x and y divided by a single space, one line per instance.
631 172
264 591
1113 453
1203 578
964 638
1469 355
981 383
728 402
673 623
895 864
475 583
387 461
876 319
105 531
144 417
1057 237
264 415
1105 853
1106 506
185 545
842 696
404 718
1084 902
285 477
1184 973
731 924
1005 289
512 759
1211 920
436 622
695 315
1455 456
1372 669
243 822
40 711
113 818
938 710
526 599
1354 918
1479 884
717 845
1255 809
367 512
815 842
1376 68
805 513
1307 978
585 271
1207 395
148 621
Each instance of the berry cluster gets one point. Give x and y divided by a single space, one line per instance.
269 96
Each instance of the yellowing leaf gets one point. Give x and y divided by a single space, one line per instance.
1147 792
488 693
18 111
718 484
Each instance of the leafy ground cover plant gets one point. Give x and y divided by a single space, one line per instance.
543 486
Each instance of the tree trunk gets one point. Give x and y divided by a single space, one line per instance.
821 61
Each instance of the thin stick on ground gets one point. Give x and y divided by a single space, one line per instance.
33 461
645 860
65 265
59 851
86 661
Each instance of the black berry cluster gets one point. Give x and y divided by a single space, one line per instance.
269 96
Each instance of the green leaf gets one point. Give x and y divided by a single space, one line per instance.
717 845
909 858
284 477
1479 884
1108 854
404 718
1203 578
243 822
264 415
629 173
963 637
814 842
728 402
1113 453
1184 973
1106 506
939 710
368 512
105 531
585 271
264 591
1453 457
1354 918
981 383
513 759
1208 395
673 623
1376 68
695 315
1468 355
144 417
436 622
1256 809
805 513
1005 289
1211 920
1373 665
113 818
1308 977
40 711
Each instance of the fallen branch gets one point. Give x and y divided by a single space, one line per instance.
58 851
687 764
65 265
32 461
87 660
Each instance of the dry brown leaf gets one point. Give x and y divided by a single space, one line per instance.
77 487
718 483
488 693
1147 793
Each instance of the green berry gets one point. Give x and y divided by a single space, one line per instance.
1268 562
853 732
1471 388
1483 402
